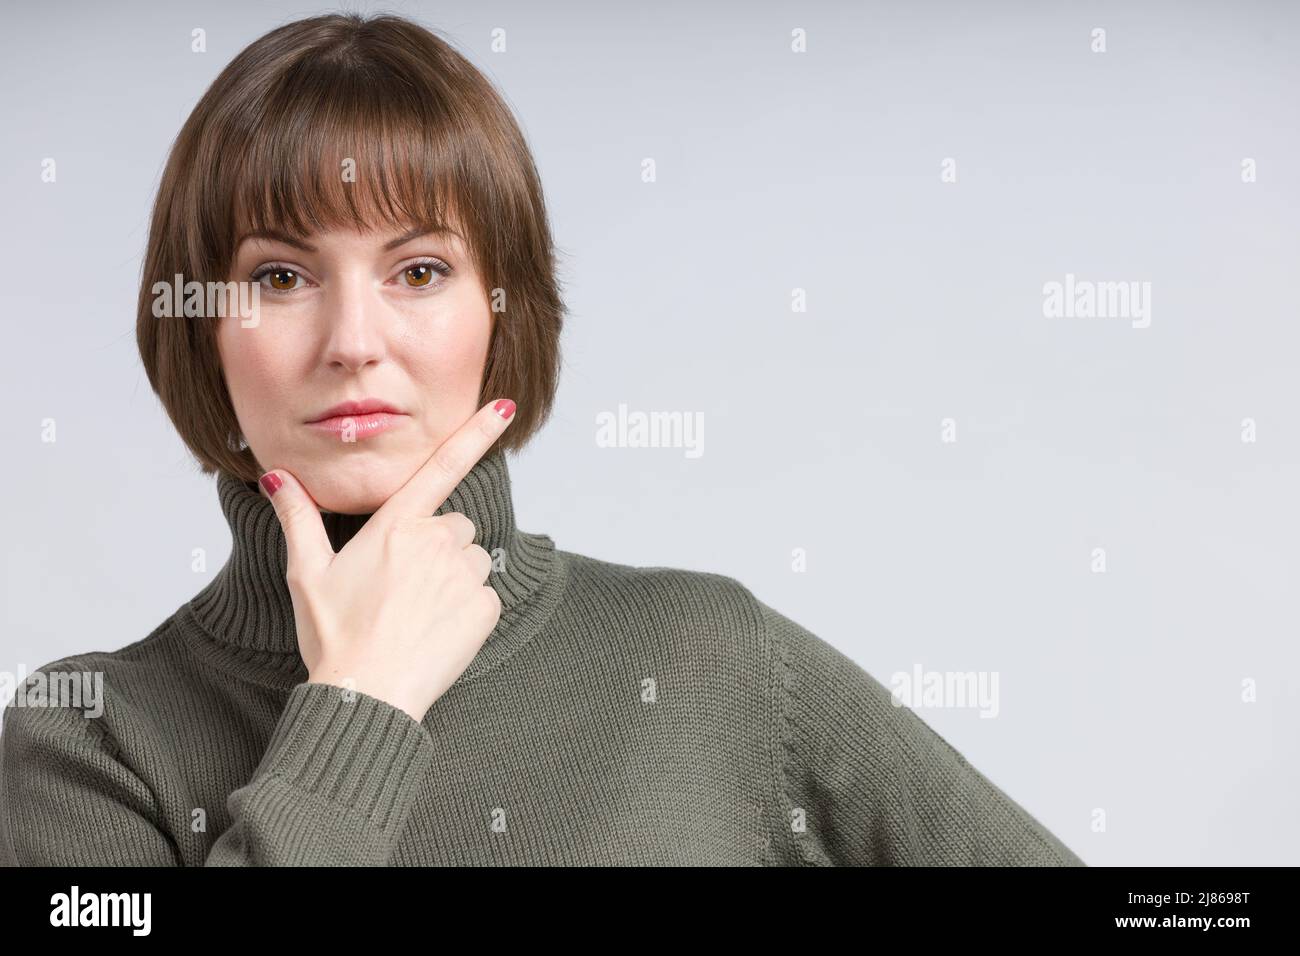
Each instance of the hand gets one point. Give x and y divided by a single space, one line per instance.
402 609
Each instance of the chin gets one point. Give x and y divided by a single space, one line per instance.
351 487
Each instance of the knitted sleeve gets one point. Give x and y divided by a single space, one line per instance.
863 782
334 787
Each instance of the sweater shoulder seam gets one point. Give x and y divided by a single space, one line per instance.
777 724
154 815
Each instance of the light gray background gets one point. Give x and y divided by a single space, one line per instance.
819 171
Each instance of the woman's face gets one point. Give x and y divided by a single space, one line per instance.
349 316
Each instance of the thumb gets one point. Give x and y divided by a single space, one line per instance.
309 546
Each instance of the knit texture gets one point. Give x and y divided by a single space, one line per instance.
616 715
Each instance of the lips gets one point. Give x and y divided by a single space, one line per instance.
366 406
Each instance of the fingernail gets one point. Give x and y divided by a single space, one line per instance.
271 482
505 408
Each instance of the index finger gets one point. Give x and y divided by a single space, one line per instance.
438 477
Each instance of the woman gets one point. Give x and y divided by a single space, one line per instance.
388 670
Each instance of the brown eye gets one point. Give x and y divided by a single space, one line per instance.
282 280
419 275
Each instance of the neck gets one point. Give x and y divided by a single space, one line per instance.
247 605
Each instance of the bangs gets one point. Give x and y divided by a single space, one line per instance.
335 143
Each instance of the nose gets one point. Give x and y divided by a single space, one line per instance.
354 323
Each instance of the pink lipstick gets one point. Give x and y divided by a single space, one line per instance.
358 419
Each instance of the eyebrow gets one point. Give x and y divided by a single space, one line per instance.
277 236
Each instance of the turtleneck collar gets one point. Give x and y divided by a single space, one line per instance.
244 618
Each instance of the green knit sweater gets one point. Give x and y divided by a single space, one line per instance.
616 715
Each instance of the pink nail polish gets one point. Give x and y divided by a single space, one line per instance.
505 408
271 482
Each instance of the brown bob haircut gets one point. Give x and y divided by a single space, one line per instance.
432 144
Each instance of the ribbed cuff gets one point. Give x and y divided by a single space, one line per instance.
350 748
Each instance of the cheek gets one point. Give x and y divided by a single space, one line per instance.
447 355
257 368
